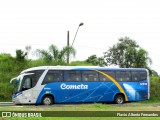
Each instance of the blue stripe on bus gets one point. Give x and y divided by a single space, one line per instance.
96 92
79 95
17 94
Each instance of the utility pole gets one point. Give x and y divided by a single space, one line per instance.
68 47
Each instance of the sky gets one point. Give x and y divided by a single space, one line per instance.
40 23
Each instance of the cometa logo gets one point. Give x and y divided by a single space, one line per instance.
81 86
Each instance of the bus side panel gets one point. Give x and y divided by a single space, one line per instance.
96 92
136 91
40 96
64 92
106 92
142 93
50 89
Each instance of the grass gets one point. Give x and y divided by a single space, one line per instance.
134 106
85 107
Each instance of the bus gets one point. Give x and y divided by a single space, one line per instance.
79 84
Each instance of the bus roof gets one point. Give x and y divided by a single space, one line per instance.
79 68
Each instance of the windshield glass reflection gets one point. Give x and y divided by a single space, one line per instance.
17 84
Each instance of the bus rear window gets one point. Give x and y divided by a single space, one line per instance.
135 76
143 76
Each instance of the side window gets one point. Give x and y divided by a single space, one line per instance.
104 78
53 76
72 75
35 77
135 76
143 75
26 83
89 76
123 76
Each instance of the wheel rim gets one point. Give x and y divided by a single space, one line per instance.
47 101
119 100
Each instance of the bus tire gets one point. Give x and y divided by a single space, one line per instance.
119 99
47 100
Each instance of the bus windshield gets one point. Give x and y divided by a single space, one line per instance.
17 85
22 82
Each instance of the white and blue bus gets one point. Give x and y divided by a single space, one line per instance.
78 84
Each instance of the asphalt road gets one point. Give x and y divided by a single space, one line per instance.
6 103
56 105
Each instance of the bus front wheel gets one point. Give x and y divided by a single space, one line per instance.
119 99
47 100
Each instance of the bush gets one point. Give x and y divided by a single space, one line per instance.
10 68
80 63
155 88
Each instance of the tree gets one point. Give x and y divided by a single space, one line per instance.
56 56
20 55
142 59
94 60
127 53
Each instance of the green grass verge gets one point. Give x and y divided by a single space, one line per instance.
134 106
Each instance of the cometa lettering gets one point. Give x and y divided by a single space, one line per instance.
81 86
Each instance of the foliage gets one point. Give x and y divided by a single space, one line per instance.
127 53
94 60
154 73
142 59
6 62
80 63
154 88
36 63
20 55
9 67
56 56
